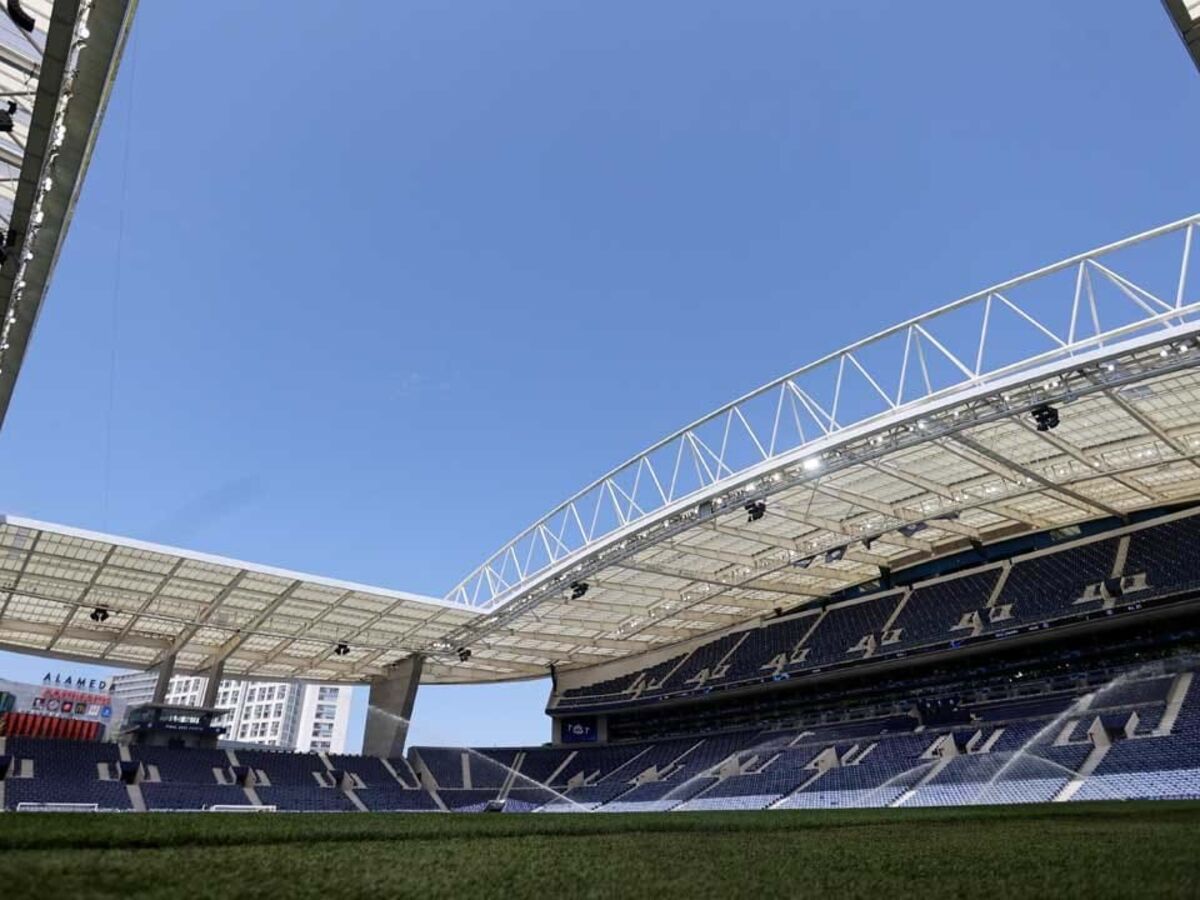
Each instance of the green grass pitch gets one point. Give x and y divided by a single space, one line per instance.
1077 850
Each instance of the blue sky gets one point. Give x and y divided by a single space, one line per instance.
364 294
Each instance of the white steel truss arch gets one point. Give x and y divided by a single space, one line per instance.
1098 304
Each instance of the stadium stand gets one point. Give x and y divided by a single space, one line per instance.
175 766
300 798
1055 583
933 611
275 768
63 771
1049 746
1169 555
1034 714
628 685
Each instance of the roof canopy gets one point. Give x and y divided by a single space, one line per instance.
1186 16
157 602
58 61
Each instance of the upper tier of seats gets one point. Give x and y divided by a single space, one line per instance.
1054 584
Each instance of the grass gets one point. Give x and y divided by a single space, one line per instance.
1091 850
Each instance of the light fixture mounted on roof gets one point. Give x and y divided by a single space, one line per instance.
464 654
578 589
755 510
341 649
99 614
1046 417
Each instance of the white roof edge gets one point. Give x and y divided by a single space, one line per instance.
213 559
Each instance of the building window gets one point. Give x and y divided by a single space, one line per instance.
326 694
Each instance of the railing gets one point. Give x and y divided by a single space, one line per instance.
1120 294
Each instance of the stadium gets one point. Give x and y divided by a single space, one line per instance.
933 594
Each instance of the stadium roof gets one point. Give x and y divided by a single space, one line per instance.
1186 16
58 61
904 447
160 602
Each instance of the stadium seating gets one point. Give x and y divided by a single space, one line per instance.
1011 752
1045 585
933 611
305 799
467 800
105 794
622 685
164 796
1169 555
1046 744
445 764
296 769
842 627
395 798
193 766
491 770
64 771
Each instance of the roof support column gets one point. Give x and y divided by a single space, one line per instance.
213 685
166 670
390 706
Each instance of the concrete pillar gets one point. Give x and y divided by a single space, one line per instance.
166 669
213 686
390 706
